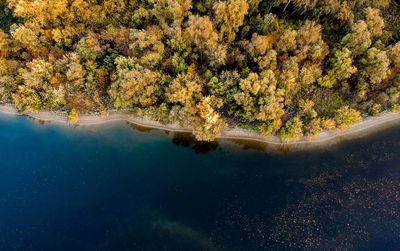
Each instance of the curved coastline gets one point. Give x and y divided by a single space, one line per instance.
235 133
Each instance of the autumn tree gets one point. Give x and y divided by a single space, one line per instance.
268 61
37 91
170 11
147 46
309 33
306 109
209 123
260 98
73 116
9 78
375 22
230 16
308 51
346 116
328 124
5 44
289 76
63 21
185 90
342 65
134 85
394 55
313 129
202 34
287 41
260 45
27 36
88 48
375 66
293 130
359 40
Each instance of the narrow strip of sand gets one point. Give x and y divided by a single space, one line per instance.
228 133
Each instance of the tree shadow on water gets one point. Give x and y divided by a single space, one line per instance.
250 145
139 128
199 147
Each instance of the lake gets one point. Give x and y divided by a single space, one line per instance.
118 187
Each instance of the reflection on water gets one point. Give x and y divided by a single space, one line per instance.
114 188
139 128
250 145
188 140
184 233
41 122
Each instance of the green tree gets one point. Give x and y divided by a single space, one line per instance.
293 130
346 116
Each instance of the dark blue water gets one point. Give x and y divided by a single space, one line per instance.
114 188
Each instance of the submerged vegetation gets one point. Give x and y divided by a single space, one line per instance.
285 67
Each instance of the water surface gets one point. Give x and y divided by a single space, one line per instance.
111 187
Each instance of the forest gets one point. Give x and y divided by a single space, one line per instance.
283 67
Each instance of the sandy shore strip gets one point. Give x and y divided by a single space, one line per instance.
228 133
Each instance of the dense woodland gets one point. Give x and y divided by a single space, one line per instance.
285 67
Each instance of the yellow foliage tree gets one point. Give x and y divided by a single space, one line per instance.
202 33
209 123
185 90
230 16
134 85
147 45
260 97
73 116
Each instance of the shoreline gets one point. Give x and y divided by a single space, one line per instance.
365 126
